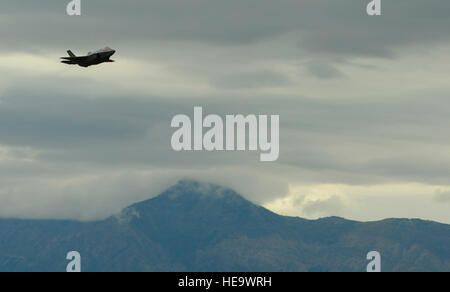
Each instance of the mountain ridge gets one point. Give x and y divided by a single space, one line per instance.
195 226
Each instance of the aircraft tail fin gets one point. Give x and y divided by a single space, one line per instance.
70 53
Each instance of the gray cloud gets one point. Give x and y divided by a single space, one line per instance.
331 206
349 141
261 79
323 70
331 27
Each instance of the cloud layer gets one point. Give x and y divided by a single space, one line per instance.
363 103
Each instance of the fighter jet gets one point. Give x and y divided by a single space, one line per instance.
92 58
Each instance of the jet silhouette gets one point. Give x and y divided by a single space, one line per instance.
92 58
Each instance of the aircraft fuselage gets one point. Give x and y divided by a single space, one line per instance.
92 58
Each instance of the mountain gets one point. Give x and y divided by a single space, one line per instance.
201 227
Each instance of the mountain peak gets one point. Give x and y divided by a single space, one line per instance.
196 189
191 201
190 198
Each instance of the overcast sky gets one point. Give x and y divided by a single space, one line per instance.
364 104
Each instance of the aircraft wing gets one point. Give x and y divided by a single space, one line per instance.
76 59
